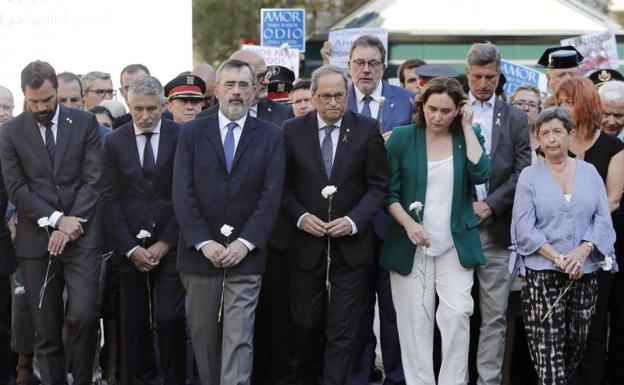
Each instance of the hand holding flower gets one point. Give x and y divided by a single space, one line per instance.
339 227
233 254
57 242
311 224
72 226
416 233
573 262
213 250
159 250
143 259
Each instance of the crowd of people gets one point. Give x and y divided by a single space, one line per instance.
231 227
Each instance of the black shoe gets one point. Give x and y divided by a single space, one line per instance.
376 375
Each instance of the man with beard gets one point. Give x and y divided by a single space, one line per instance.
50 159
229 170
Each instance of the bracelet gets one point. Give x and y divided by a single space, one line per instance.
558 259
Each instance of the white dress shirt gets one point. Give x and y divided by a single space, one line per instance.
484 113
374 103
253 111
141 140
56 215
335 134
237 131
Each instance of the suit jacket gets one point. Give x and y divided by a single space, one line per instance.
38 189
130 204
407 157
510 153
268 110
205 196
398 110
7 253
359 171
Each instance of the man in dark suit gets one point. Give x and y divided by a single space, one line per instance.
331 146
51 166
137 173
392 107
261 107
229 170
505 130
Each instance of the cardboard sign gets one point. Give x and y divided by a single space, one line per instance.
599 50
288 58
517 74
341 40
283 26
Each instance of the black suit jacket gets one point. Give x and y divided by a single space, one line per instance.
205 196
7 253
38 189
360 172
268 110
130 205
510 153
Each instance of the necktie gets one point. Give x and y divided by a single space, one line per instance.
49 141
228 145
327 149
149 164
366 109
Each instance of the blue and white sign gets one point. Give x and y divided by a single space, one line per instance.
517 74
283 26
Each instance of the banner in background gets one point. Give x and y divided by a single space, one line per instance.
341 40
599 50
282 26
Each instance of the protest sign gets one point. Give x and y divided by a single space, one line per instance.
283 26
517 74
341 40
288 58
599 50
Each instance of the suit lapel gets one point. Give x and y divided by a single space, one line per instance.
311 132
63 133
352 101
497 122
133 153
249 133
346 130
36 141
214 137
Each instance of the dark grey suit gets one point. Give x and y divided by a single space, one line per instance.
38 189
510 153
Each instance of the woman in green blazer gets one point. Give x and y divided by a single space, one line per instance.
433 240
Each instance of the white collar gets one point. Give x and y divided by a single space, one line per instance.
156 129
321 123
474 100
376 94
55 118
224 121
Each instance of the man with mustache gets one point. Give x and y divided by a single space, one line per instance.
50 159
228 170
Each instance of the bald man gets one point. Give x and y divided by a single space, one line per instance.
6 105
206 73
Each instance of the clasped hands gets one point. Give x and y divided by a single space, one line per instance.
146 259
68 228
573 262
222 257
311 224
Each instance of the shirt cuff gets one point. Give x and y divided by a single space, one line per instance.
250 246
353 226
201 244
129 253
300 219
54 218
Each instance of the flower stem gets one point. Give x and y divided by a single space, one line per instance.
149 300
45 282
551 307
327 281
220 316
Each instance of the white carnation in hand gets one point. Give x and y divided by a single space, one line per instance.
416 207
143 234
328 191
43 222
226 230
607 264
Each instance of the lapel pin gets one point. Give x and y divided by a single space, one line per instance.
269 109
498 119
391 105
344 138
68 120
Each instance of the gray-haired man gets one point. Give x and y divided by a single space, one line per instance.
507 143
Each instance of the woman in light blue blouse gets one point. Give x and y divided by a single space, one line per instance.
562 233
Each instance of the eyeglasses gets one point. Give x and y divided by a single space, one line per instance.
373 65
244 86
525 103
6 108
326 98
101 92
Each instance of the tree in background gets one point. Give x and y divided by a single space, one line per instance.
219 27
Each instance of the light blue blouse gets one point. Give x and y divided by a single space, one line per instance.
541 214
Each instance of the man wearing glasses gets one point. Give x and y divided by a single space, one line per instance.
331 146
392 107
97 87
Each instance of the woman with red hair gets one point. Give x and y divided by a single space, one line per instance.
606 153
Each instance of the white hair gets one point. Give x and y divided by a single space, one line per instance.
612 91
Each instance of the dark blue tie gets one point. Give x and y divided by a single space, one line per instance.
228 145
49 141
366 109
149 162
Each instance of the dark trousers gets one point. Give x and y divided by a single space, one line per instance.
138 356
615 367
557 343
274 362
6 368
77 270
377 282
325 329
591 369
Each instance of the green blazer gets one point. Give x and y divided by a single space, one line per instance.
407 157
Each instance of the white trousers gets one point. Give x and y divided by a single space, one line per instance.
414 302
